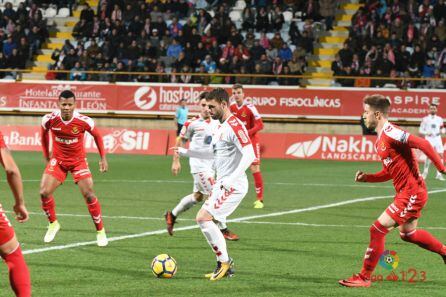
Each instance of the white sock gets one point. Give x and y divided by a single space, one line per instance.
426 165
222 225
185 203
215 239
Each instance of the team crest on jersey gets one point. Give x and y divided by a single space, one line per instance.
75 130
243 114
382 146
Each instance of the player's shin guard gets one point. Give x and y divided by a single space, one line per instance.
258 181
376 248
94 207
423 239
185 203
49 207
215 239
18 273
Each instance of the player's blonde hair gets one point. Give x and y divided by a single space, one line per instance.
378 102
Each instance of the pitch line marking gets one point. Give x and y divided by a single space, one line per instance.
241 219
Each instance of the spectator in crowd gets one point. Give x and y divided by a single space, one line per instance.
181 115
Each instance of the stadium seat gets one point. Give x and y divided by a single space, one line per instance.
288 16
235 15
240 5
50 12
63 13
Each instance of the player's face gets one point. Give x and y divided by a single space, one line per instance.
238 95
433 110
369 117
216 109
204 109
67 106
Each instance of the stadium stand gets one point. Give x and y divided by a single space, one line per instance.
384 38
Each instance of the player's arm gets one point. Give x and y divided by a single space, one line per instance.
180 141
103 164
423 131
45 139
15 183
199 154
379 177
427 149
244 145
257 120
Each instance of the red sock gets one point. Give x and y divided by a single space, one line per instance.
18 273
376 248
423 239
258 181
49 207
95 211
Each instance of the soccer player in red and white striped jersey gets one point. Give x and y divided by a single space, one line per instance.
68 128
247 113
10 250
394 147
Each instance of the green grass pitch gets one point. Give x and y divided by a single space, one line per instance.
300 253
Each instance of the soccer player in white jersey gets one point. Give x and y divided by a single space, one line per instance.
233 153
199 132
432 126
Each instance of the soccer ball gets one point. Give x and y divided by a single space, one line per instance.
164 266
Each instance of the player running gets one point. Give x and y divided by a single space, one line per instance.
10 249
199 131
250 117
431 128
67 128
394 146
233 154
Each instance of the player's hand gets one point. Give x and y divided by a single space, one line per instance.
21 213
103 165
360 177
176 167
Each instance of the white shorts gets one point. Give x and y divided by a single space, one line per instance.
437 143
203 182
222 203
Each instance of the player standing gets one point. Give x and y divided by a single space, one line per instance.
431 128
250 117
233 154
394 147
67 128
10 249
199 131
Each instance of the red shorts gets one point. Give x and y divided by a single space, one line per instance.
6 230
256 147
79 170
407 206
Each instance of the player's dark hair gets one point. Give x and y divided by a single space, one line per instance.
67 94
378 102
433 104
203 95
218 94
237 86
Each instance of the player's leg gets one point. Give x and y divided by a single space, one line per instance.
216 240
378 232
185 203
94 208
52 178
257 175
440 151
422 238
218 207
11 253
